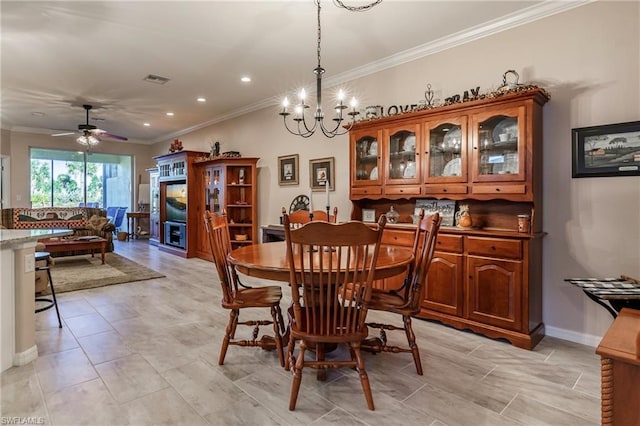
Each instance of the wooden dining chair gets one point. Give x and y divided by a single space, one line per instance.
235 297
304 216
406 300
323 257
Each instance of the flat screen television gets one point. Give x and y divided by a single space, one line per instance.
176 202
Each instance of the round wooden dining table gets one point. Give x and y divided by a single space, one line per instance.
269 261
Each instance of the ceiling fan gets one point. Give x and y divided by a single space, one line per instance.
90 135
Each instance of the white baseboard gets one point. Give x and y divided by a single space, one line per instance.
573 336
23 358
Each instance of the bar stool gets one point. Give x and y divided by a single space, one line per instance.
43 255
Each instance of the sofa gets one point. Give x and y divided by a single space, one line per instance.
84 221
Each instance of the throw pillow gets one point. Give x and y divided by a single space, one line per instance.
97 222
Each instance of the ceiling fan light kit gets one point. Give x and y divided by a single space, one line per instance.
90 134
302 126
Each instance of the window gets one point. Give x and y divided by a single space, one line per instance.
69 179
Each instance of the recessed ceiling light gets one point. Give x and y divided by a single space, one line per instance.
201 99
245 79
37 114
146 124
170 114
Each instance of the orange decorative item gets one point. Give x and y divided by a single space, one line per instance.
176 145
464 217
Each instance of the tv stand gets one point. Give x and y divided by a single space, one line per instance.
178 236
175 234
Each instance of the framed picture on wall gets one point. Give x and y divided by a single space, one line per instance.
609 150
321 172
288 170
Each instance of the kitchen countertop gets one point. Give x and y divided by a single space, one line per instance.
17 236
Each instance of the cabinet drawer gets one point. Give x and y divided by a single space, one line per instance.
450 243
398 238
367 190
446 189
494 247
499 189
402 190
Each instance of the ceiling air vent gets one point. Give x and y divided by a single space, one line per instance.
152 78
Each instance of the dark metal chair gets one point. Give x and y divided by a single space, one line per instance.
51 302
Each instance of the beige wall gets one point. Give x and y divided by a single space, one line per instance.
19 149
588 59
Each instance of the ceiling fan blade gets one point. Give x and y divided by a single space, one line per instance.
104 134
64 133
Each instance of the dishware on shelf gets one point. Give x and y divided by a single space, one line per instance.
453 167
374 173
410 144
453 139
373 148
410 170
507 127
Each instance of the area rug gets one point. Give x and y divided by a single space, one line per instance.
82 272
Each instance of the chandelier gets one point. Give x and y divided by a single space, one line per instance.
87 139
306 127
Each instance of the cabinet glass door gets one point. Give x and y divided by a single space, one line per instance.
214 189
446 151
366 155
154 186
499 145
401 155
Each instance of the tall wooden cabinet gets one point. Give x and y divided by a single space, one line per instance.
230 185
178 190
486 154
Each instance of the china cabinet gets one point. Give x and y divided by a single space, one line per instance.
228 185
487 155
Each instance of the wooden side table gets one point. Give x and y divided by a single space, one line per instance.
133 220
623 292
620 358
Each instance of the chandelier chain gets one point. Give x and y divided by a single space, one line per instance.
319 32
357 8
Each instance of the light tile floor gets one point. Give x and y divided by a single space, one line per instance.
145 353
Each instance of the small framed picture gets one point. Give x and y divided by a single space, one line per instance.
321 173
288 170
610 150
368 215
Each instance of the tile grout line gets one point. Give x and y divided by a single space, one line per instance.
509 403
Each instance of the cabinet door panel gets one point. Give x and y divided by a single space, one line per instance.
443 288
494 292
365 154
499 145
401 155
445 150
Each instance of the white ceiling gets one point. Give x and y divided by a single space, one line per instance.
57 55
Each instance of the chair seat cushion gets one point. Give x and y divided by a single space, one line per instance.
256 297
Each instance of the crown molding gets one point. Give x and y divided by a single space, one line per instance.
507 22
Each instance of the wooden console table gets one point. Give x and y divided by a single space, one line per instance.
620 357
